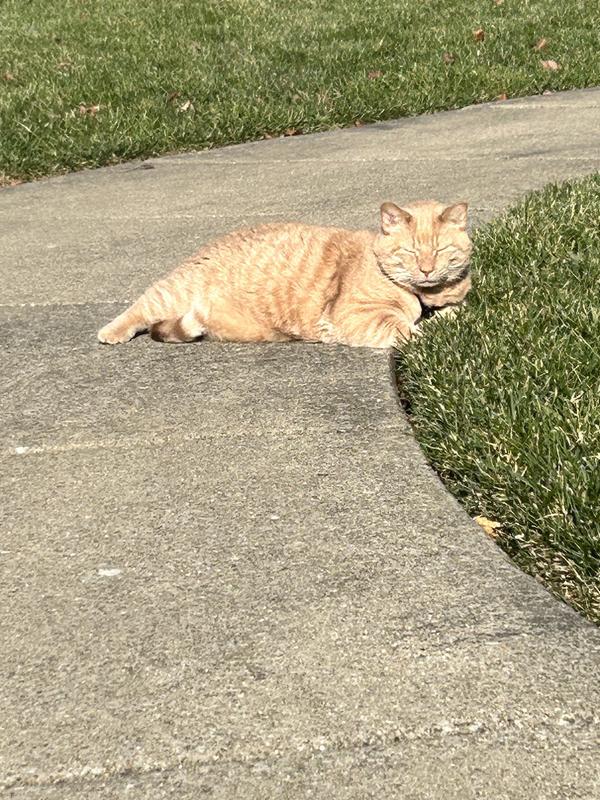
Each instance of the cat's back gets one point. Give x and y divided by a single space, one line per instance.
280 252
272 240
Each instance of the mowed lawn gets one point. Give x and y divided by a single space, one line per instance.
505 399
91 82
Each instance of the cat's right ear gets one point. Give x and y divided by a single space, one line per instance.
393 217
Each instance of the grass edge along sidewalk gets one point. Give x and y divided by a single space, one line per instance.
88 84
505 398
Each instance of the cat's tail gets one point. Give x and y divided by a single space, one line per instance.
166 300
187 328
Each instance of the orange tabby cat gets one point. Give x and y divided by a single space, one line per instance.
291 281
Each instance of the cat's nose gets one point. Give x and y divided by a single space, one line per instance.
426 263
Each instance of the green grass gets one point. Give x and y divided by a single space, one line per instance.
505 399
250 68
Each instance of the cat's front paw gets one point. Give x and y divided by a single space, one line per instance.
447 311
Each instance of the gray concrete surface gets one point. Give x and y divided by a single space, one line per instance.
227 570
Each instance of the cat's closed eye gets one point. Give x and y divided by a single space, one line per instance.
453 255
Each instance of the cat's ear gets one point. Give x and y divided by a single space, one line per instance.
456 215
393 217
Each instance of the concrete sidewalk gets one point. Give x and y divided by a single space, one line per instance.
227 570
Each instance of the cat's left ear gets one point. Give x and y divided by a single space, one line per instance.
456 215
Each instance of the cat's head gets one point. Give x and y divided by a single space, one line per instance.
423 244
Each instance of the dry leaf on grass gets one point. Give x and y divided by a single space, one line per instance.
172 96
488 525
6 182
292 132
540 44
502 96
89 111
479 35
187 106
375 73
8 76
498 2
550 65
449 58
358 123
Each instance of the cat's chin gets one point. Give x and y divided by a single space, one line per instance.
427 284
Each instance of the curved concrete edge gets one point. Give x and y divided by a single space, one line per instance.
477 529
227 568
